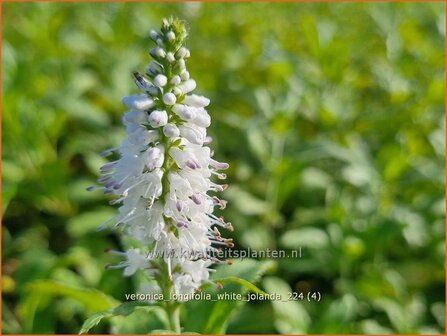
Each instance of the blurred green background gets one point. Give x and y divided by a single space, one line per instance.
330 115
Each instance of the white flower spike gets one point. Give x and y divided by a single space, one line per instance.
164 173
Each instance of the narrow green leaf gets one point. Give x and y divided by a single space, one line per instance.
93 321
123 309
242 282
93 299
290 316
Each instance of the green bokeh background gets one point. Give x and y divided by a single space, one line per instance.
330 115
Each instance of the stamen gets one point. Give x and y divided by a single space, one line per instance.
219 165
229 226
191 164
195 199
107 167
109 151
182 224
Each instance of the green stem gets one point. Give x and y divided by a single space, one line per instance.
171 307
173 311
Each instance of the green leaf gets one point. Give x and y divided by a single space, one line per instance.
40 294
258 143
290 316
88 221
242 282
93 321
94 300
305 237
246 203
123 309
139 322
339 315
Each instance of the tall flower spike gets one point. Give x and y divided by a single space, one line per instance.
165 172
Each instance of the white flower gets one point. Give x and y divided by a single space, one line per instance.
191 157
195 273
164 172
202 118
183 285
134 262
187 86
142 102
154 157
183 111
196 101
141 136
158 118
197 269
193 133
135 117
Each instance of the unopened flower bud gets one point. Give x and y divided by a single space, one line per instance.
154 67
170 57
176 80
141 82
160 80
177 91
169 98
181 64
153 90
171 131
170 36
157 52
158 118
180 53
184 75
160 52
154 35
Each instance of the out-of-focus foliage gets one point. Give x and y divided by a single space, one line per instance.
331 116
